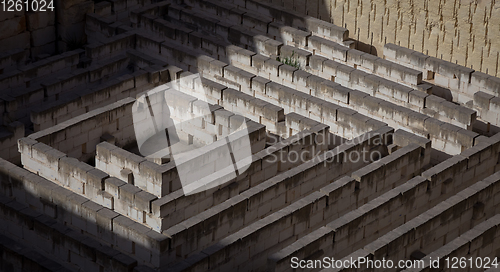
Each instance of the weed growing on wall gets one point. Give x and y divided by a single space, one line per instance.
290 60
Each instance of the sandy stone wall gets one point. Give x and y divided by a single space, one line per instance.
461 31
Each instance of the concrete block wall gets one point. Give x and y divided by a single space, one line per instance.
468 115
390 171
301 217
86 219
177 207
422 193
8 142
27 81
16 257
38 229
462 81
120 164
488 107
225 219
417 121
79 136
262 112
439 140
448 226
248 83
89 182
101 23
407 118
15 31
374 29
59 111
36 31
54 101
234 101
65 105
376 65
259 13
274 193
350 125
157 179
116 45
295 123
403 138
380 87
361 61
479 242
205 128
204 122
194 119
23 83
185 58
13 59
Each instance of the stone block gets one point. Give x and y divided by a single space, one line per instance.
434 102
334 91
417 98
390 50
105 218
433 64
112 186
418 59
142 201
330 68
258 62
480 79
368 61
344 72
355 56
402 93
383 67
466 137
300 77
316 62
272 47
482 100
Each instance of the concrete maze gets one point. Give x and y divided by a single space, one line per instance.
352 155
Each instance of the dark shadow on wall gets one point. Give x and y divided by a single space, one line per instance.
367 48
49 235
50 227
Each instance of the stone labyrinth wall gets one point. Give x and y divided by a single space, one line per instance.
353 155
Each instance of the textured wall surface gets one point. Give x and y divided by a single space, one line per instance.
466 32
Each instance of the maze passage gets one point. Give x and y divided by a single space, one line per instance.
293 139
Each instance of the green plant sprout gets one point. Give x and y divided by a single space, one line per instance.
290 60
